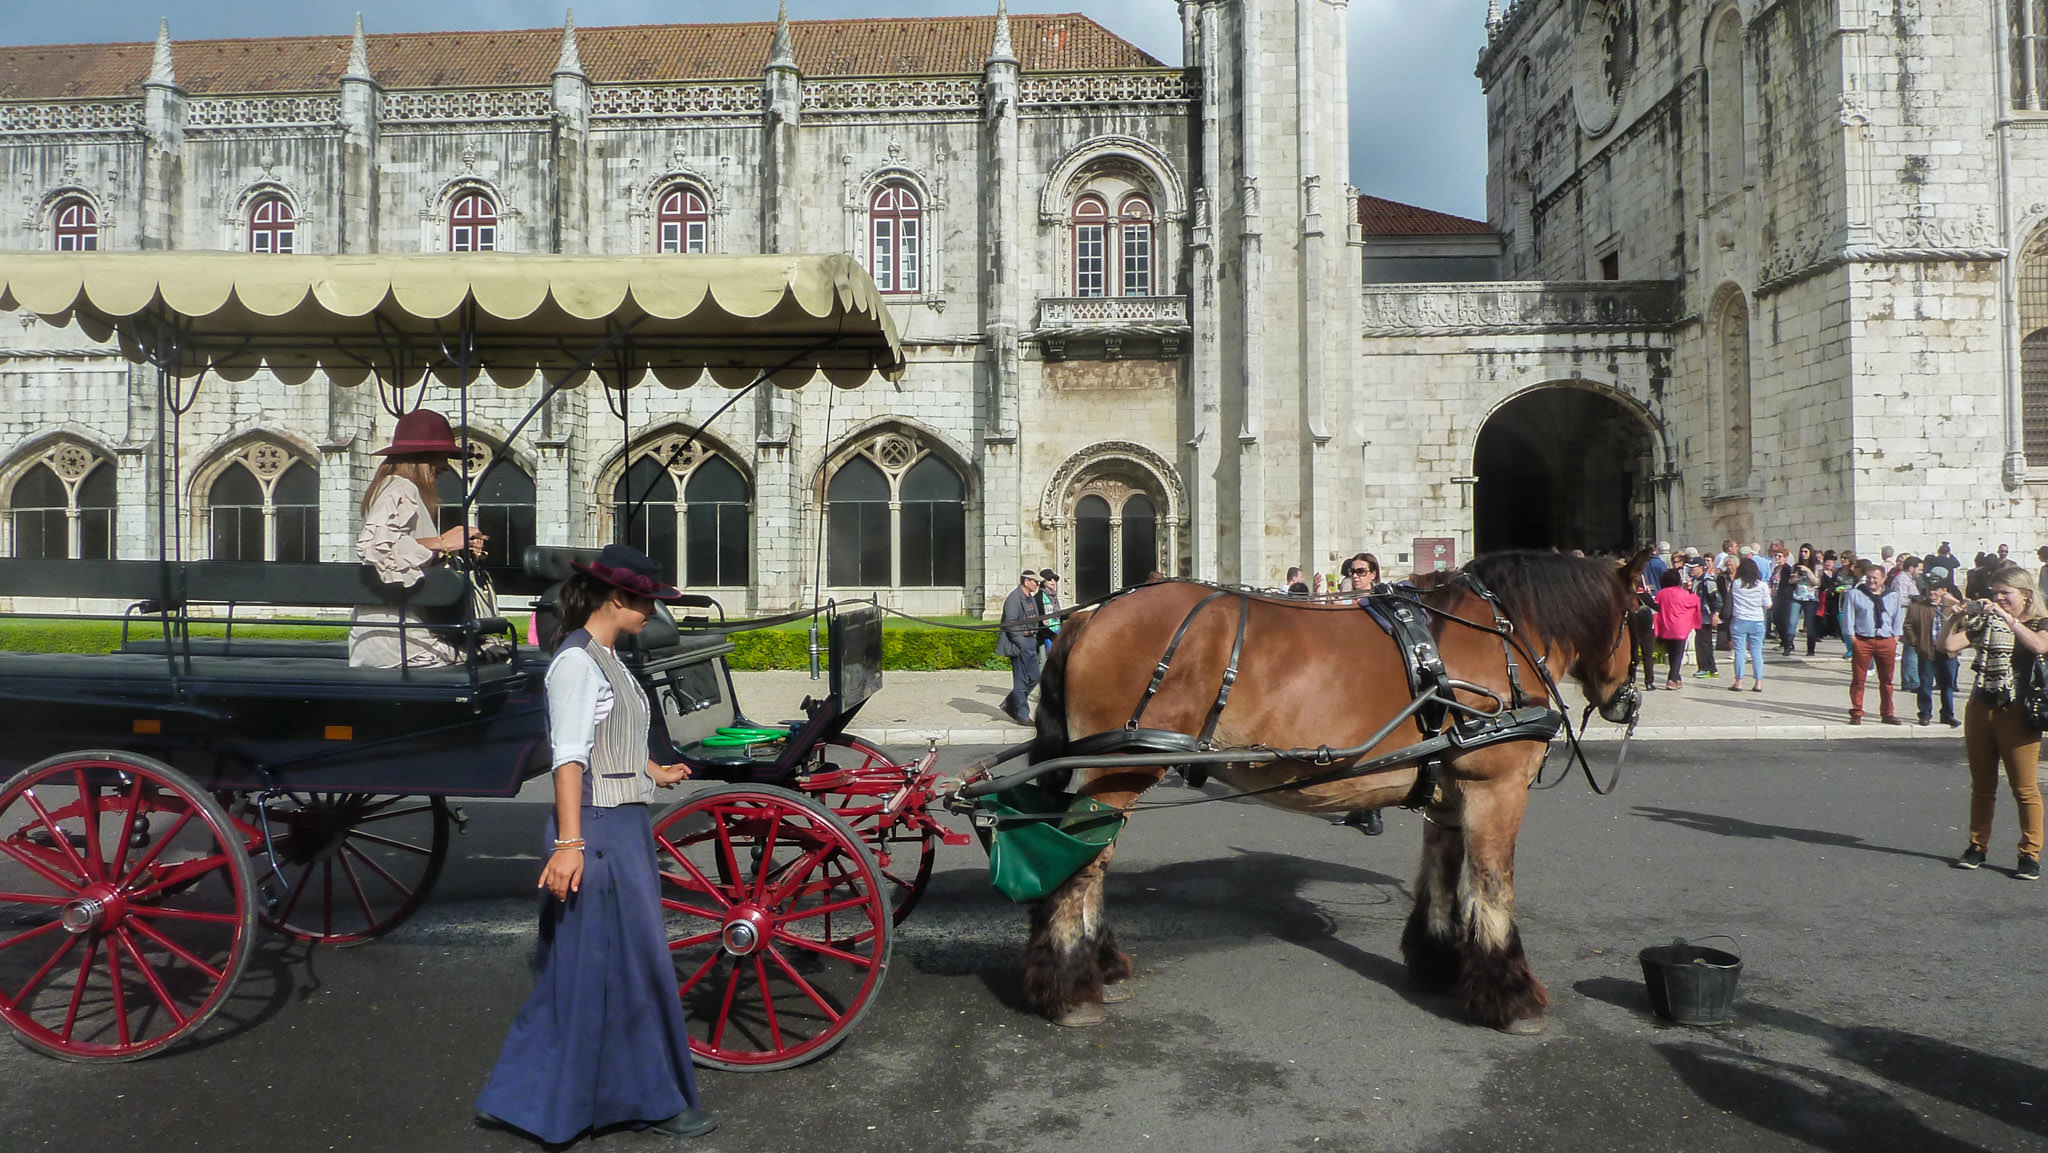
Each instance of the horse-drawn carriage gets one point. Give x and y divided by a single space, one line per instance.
173 793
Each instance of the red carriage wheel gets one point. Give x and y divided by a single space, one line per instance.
777 924
904 850
127 906
357 865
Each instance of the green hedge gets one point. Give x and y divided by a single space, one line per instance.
905 646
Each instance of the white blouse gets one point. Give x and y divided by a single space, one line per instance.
579 699
390 544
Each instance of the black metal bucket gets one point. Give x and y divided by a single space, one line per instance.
1690 984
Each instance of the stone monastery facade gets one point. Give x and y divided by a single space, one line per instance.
1774 275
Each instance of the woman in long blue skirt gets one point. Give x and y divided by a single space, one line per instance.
602 1041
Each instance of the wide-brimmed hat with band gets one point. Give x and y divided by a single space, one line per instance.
629 570
422 432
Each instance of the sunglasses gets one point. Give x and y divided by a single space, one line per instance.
1360 571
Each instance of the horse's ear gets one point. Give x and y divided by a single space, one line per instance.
1632 572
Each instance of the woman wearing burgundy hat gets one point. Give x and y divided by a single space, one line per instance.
603 1040
399 540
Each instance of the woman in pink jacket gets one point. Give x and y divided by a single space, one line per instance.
1678 615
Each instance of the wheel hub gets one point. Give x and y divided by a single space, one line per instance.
745 932
90 912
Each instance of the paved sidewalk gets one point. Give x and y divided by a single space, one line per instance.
1803 699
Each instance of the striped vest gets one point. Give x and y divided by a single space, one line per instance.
618 756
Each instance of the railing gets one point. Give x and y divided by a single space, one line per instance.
1112 311
1520 306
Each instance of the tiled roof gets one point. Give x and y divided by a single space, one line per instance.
1381 217
634 54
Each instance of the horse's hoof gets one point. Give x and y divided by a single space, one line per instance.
1526 1026
1116 994
1081 1016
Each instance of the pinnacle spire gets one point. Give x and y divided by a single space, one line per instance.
782 54
1493 17
358 55
160 71
1000 49
571 62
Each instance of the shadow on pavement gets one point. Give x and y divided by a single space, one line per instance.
1833 1112
1725 826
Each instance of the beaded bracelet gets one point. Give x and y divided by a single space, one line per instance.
573 843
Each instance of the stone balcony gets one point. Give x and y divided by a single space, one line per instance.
1487 308
1111 327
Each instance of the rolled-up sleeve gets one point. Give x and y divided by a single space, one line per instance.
387 543
574 685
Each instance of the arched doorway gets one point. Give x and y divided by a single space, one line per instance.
1563 467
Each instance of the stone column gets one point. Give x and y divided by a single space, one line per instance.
1002 504
163 130
571 147
362 106
777 496
1203 427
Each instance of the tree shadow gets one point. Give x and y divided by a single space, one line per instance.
1726 826
1853 1115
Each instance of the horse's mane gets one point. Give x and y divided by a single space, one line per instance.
1567 599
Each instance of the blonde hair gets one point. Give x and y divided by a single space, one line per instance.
420 470
2020 580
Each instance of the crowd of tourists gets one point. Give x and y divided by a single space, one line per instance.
1902 619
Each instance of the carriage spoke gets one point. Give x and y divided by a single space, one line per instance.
701 972
30 899
803 985
671 905
298 889
728 856
128 814
824 910
768 1002
89 820
697 877
823 949
78 990
355 882
68 884
176 950
168 914
767 851
327 897
389 843
57 835
374 815
691 942
50 965
373 866
732 986
149 976
156 850
114 989
182 873
794 874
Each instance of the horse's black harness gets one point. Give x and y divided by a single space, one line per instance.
1446 724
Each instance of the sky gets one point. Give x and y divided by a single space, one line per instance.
1418 119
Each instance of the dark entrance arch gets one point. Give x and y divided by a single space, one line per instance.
1564 468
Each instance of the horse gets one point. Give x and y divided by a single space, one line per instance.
1326 676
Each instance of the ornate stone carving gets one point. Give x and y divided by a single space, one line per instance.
648 100
72 116
1113 456
890 95
262 111
1921 230
1161 87
480 105
1532 307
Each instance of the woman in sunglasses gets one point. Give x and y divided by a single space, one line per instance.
1361 574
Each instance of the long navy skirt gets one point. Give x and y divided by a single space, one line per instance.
603 1040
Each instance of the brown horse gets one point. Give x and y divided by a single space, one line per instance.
1322 675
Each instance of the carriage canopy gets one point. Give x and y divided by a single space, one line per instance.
499 316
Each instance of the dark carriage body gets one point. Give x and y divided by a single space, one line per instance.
239 713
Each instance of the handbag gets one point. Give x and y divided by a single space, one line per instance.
2032 697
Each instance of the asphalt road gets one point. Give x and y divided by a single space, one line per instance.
1888 1002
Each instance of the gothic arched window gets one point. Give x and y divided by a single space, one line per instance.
503 509
1091 548
264 504
1725 127
1733 378
896 239
1091 247
473 223
689 509
1135 217
2033 292
896 516
1140 543
272 225
62 505
75 225
684 221
1115 242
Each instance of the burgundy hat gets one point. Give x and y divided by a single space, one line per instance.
422 432
629 570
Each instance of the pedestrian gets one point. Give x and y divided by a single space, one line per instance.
2007 631
603 1040
1048 607
1018 641
1655 568
1806 600
1873 617
1944 560
1926 619
1361 573
1783 578
1678 617
1707 589
1749 603
2041 578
